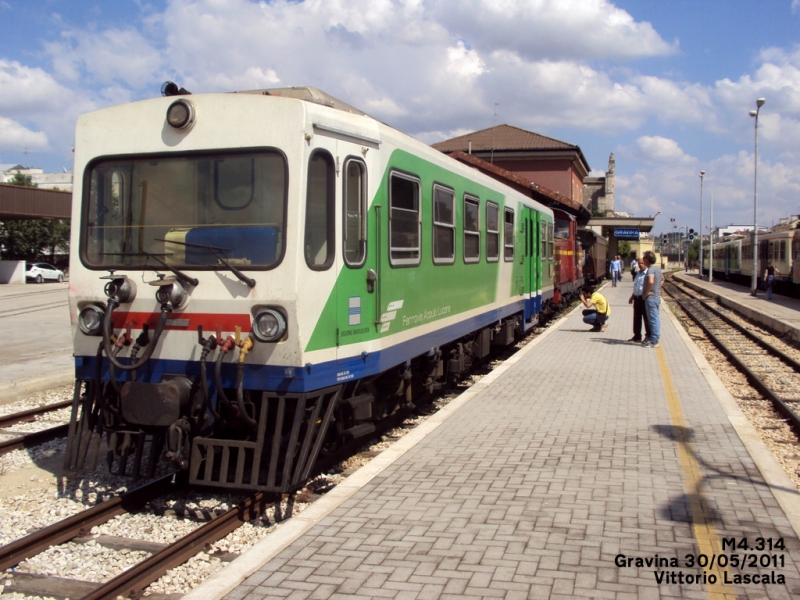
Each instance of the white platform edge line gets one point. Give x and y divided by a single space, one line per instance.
226 580
782 487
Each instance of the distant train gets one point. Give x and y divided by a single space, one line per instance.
733 260
260 276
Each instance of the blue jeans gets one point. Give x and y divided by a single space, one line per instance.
615 276
651 307
770 282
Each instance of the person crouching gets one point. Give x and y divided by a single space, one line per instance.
598 309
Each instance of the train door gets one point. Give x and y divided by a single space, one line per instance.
357 287
532 273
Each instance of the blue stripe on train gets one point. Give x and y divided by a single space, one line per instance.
312 376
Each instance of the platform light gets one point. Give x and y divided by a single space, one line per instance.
754 283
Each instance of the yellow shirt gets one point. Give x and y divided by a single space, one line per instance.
601 304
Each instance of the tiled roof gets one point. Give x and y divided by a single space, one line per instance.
502 137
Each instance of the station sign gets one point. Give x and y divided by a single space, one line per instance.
627 233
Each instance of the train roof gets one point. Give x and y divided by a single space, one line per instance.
309 94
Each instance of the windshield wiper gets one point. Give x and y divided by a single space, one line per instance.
179 274
213 249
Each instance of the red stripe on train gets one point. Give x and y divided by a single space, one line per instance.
183 321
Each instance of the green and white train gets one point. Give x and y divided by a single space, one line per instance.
261 274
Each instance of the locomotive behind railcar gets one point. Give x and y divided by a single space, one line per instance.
259 276
594 252
568 268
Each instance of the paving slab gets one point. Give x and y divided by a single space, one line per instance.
585 466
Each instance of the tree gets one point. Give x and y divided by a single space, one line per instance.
23 180
624 249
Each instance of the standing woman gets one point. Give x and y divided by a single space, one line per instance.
769 279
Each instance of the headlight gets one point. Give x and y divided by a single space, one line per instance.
90 320
269 325
180 114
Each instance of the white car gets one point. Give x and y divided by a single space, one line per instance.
39 272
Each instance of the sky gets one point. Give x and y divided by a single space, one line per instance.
666 86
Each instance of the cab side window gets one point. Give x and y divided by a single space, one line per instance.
320 198
355 213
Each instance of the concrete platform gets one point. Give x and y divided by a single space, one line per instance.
579 455
781 314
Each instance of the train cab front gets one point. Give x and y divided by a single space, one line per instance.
174 287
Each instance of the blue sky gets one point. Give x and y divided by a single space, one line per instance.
666 86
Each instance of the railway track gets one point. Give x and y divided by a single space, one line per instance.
769 370
132 581
30 439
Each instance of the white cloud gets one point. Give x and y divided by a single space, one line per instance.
113 55
558 29
27 91
16 137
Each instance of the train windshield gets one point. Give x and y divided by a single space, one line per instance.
186 211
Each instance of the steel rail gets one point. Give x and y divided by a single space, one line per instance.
28 415
63 531
28 440
134 581
791 416
746 332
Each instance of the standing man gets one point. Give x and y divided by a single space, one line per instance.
637 299
634 268
616 270
652 299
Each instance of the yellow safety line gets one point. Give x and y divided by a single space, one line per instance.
705 533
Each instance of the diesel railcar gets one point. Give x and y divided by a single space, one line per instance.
257 276
733 259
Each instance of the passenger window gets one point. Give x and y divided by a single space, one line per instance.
320 198
404 222
444 229
508 235
543 238
551 241
492 232
472 229
355 212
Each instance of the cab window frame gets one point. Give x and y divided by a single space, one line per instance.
363 209
330 208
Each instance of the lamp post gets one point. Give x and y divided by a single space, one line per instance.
671 239
754 284
702 173
711 241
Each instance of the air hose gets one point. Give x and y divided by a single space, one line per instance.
208 346
107 346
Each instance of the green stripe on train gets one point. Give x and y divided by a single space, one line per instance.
427 292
